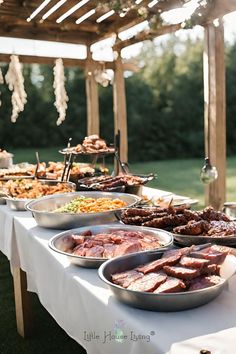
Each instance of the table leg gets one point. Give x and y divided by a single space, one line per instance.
23 305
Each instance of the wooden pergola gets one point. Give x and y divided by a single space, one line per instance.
84 22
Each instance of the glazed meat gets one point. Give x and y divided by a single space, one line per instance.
171 285
222 228
183 221
166 221
209 214
148 283
204 282
182 272
191 215
192 228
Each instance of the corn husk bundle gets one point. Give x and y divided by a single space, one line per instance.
15 80
60 91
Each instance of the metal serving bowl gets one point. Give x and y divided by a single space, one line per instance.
149 301
188 240
59 242
19 204
43 210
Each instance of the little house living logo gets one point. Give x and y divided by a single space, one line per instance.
120 334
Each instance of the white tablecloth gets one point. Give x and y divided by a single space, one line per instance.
87 310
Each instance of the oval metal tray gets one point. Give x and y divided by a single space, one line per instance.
149 301
42 210
19 204
188 240
57 243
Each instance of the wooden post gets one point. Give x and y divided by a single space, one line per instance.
92 97
215 116
22 303
119 107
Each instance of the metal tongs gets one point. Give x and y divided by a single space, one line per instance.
68 162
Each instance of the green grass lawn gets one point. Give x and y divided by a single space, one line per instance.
179 176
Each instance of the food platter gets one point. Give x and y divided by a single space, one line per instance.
129 183
178 301
43 208
188 240
60 241
19 204
71 150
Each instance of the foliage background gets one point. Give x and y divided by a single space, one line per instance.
164 103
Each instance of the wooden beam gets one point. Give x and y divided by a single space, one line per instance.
221 8
31 59
215 116
146 35
75 37
92 97
23 305
119 106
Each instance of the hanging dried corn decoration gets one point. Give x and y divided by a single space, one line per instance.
1 82
15 80
60 91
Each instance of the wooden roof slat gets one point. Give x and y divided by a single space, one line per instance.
13 15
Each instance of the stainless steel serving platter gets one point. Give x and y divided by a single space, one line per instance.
43 210
19 204
188 240
59 243
149 301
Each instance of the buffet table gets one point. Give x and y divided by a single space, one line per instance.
83 306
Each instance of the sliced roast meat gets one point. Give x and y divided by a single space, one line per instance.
148 283
211 269
182 272
159 264
124 279
171 285
204 282
211 253
191 262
